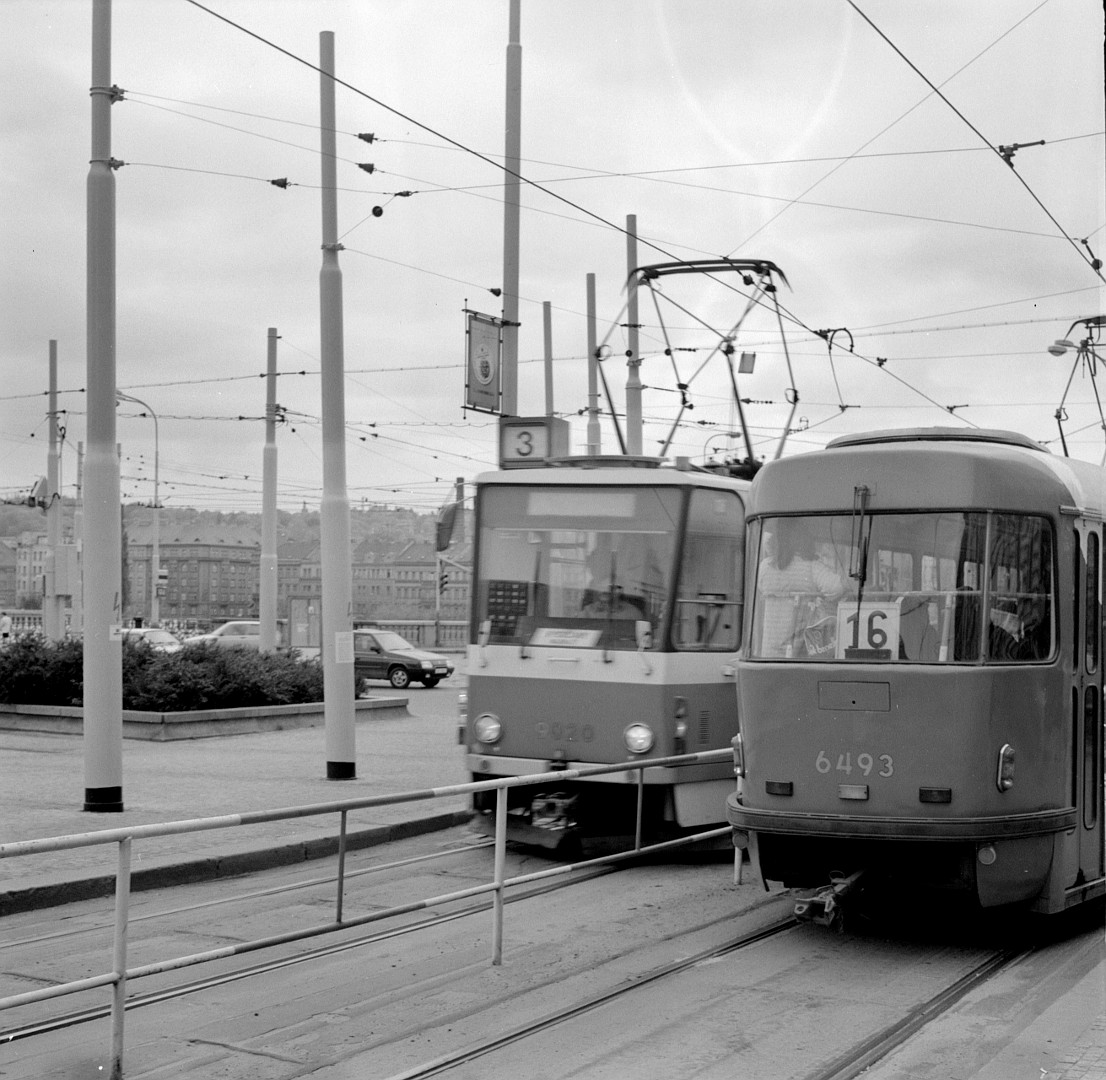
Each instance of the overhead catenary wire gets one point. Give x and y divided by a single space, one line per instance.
998 150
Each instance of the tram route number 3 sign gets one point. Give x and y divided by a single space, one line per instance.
868 630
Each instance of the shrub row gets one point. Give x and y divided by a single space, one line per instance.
34 671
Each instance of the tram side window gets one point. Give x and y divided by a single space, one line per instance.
709 592
1020 556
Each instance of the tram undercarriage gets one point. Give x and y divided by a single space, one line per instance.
830 873
573 818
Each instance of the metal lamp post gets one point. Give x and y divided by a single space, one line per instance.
155 553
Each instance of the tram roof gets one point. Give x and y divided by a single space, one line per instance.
919 468
614 469
938 434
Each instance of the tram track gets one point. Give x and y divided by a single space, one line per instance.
580 1008
845 1065
257 894
77 1017
877 1046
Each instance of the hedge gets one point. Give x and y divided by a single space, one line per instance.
34 671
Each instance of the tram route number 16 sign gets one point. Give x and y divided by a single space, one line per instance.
868 630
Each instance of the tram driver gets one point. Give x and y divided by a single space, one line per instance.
605 597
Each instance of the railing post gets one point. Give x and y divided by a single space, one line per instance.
640 806
119 989
341 865
500 873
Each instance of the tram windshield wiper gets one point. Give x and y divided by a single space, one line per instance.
862 534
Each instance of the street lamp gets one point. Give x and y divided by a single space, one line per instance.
155 553
1084 351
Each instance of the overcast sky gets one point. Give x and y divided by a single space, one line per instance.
794 131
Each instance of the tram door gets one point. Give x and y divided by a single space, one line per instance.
1087 701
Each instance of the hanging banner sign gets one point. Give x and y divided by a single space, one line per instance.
482 373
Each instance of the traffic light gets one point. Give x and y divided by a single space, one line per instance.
443 581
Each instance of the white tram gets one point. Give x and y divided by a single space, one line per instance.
607 610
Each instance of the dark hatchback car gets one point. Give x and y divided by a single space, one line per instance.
383 654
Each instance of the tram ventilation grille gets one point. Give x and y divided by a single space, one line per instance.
704 727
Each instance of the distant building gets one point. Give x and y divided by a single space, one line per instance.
213 573
8 590
30 569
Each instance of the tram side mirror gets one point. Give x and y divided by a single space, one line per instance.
484 633
643 632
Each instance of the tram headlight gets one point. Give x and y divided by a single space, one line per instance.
639 738
487 728
1004 778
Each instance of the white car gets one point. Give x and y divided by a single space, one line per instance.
241 634
157 639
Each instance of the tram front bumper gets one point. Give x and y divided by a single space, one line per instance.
744 820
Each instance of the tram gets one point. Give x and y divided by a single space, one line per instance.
921 683
607 605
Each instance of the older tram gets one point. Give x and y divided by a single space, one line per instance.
921 685
606 617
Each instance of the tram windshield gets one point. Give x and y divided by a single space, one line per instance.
589 566
919 588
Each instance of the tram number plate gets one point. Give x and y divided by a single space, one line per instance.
868 630
565 732
863 762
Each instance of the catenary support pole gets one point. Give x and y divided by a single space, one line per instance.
76 611
337 586
593 371
512 154
547 336
267 590
633 357
103 656
53 615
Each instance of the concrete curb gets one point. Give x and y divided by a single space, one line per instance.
37 897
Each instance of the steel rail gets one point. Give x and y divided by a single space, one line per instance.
877 1046
525 1031
238 898
154 997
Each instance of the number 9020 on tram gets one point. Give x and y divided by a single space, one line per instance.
921 684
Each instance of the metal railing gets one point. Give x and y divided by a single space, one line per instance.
120 975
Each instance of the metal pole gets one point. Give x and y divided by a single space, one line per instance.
155 545
512 155
77 599
155 553
593 372
337 586
103 654
267 589
341 866
633 357
53 619
119 957
500 866
547 334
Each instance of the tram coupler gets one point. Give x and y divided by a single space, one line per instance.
824 905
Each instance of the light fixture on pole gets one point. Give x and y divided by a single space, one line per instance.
155 547
1084 352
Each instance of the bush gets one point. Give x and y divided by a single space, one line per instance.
34 671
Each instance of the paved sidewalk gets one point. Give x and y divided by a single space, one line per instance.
42 794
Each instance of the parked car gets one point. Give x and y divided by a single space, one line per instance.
157 639
241 634
383 654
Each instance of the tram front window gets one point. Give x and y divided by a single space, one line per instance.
576 565
933 588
